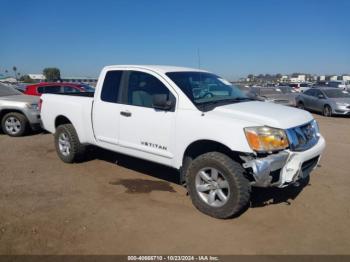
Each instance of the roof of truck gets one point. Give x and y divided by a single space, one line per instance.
158 68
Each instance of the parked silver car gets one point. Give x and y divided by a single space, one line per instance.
278 95
18 112
329 101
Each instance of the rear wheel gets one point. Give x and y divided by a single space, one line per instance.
217 185
68 146
300 105
327 111
14 124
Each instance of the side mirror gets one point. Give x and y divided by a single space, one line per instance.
321 96
160 101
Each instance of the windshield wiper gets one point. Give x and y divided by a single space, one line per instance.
210 105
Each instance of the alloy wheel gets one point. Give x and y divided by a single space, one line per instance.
13 125
64 144
212 187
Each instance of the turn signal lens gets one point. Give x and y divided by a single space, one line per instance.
266 139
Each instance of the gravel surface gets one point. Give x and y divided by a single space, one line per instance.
113 204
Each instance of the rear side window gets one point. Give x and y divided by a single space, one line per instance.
309 92
110 88
41 90
49 89
70 89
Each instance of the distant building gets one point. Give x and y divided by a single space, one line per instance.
298 78
314 78
284 78
344 77
81 79
37 77
331 78
321 78
8 79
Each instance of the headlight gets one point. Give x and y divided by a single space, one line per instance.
342 104
266 139
315 126
33 106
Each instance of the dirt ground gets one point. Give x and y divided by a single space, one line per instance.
113 204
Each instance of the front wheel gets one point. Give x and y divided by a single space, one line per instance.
68 147
14 124
217 185
327 111
300 105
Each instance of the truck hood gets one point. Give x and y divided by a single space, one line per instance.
21 98
265 114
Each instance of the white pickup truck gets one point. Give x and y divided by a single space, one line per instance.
221 141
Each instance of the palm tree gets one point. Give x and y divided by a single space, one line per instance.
14 70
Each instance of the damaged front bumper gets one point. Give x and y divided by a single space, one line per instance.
283 168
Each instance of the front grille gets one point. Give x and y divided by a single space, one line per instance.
275 175
303 137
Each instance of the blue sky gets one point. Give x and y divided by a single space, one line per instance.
234 37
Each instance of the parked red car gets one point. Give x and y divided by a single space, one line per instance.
54 88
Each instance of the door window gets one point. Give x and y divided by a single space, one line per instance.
142 87
111 85
316 93
309 92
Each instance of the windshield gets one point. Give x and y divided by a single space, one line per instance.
336 93
270 91
286 89
87 88
8 91
203 88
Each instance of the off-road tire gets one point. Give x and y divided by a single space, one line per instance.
23 122
77 150
234 174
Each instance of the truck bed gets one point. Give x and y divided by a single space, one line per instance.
83 94
76 108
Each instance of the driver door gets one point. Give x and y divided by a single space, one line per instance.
319 101
144 131
308 98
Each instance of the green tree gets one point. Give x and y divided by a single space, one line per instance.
26 79
52 74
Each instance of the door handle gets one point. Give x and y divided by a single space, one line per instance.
125 113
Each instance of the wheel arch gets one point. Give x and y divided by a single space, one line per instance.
203 146
6 111
329 106
61 120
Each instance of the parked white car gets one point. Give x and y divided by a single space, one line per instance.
339 84
221 141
